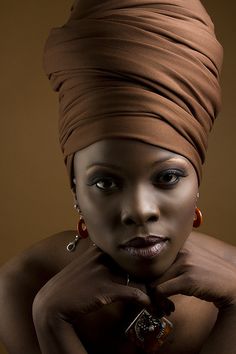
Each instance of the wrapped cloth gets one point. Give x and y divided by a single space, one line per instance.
140 69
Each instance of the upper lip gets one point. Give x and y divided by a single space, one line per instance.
144 241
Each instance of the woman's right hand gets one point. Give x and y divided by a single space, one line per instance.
85 285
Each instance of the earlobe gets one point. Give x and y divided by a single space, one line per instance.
198 195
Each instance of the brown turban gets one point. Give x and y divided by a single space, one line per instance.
141 69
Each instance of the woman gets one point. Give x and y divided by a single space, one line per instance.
139 92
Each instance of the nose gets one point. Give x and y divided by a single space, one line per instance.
139 208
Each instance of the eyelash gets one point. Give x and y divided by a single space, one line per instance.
173 172
96 180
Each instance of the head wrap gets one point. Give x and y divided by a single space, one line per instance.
141 69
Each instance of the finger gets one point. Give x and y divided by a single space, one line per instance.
173 271
161 304
136 284
174 286
130 294
117 293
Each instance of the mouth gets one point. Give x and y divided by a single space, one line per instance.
145 246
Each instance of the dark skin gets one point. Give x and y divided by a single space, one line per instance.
80 301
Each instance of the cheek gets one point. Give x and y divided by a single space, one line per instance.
186 213
95 211
180 209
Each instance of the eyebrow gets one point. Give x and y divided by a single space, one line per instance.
116 167
103 164
170 159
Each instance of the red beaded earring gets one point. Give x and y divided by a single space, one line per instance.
82 232
82 228
198 218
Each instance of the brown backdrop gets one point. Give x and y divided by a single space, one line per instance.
35 197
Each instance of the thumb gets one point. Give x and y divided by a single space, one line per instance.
132 294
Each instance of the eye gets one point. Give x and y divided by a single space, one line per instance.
106 184
169 177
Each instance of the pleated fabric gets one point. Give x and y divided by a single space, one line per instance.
140 69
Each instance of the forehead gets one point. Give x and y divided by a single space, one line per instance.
124 152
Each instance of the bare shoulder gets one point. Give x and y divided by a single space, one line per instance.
31 269
20 280
219 247
49 254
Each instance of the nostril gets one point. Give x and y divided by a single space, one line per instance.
129 221
153 218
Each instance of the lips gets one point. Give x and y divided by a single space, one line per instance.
144 241
145 246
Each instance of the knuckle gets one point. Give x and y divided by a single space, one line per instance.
102 300
136 294
185 253
187 267
190 280
187 263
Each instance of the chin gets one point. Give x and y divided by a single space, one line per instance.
144 270
147 263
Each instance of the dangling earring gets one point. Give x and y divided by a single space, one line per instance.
81 226
198 218
81 230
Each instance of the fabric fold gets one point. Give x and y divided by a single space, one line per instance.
140 69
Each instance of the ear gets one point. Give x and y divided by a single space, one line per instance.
198 195
73 189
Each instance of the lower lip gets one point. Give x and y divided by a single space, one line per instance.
146 252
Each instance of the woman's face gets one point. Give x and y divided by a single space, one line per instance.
138 202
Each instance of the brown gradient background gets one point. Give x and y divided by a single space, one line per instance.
35 197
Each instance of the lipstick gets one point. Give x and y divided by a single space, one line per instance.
145 246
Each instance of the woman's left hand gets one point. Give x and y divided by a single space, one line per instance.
199 272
